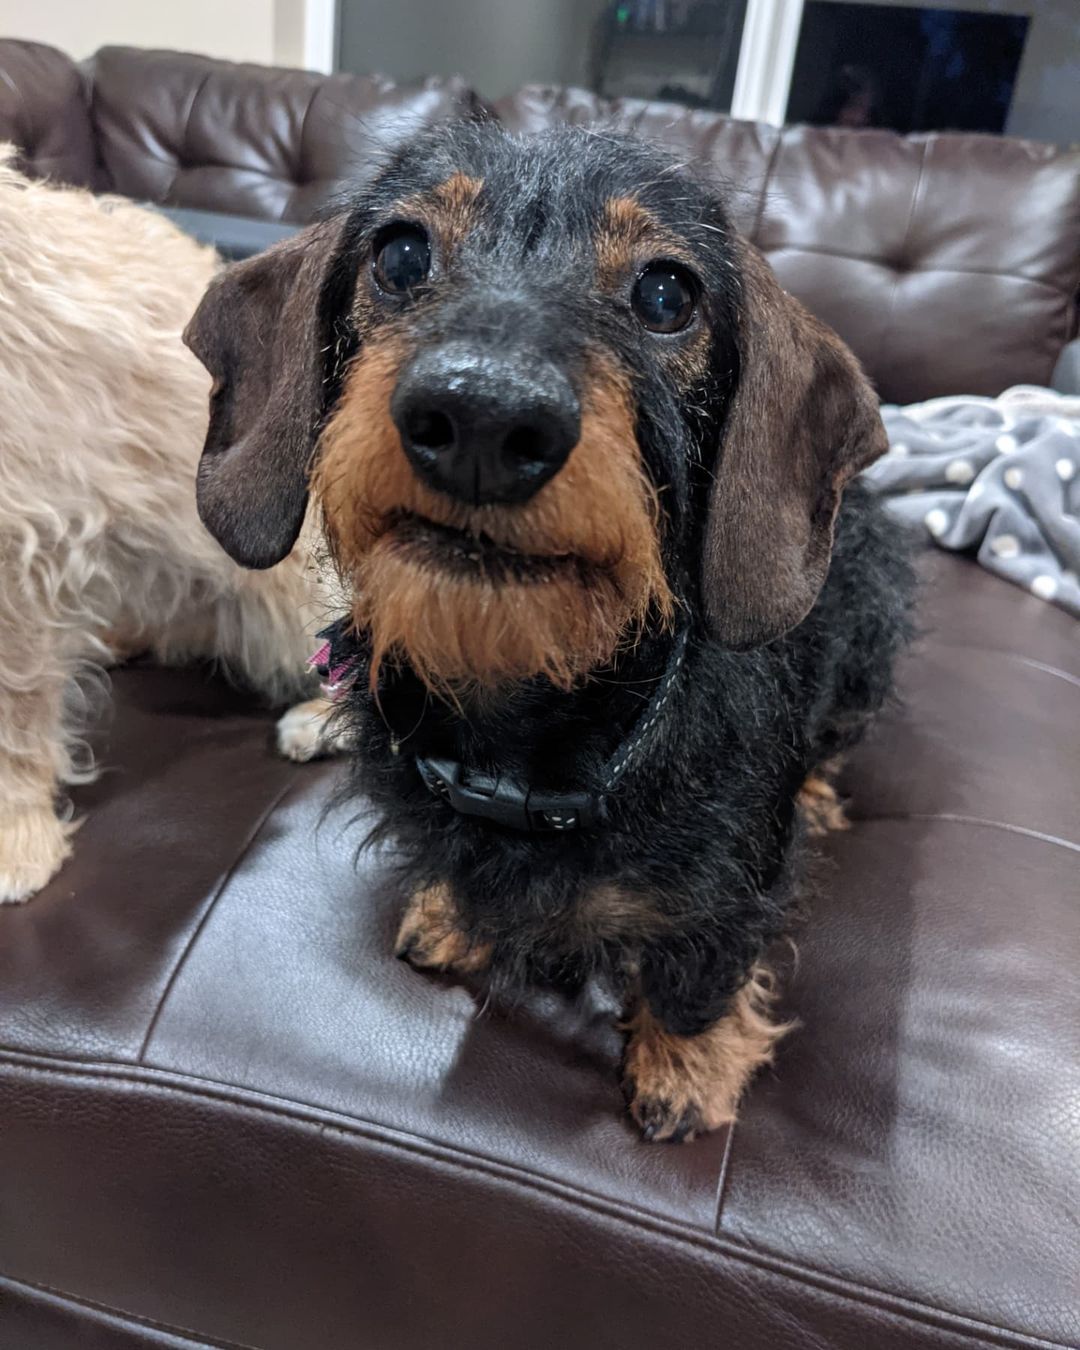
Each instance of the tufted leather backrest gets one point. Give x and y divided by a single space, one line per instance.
44 102
948 262
253 140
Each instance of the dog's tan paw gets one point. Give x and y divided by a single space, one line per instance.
678 1087
33 846
430 939
307 731
820 807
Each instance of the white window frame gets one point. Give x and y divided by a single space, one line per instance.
766 60
305 34
320 35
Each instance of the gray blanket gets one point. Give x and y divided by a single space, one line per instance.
999 478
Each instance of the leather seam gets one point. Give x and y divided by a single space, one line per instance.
324 1122
917 268
1044 667
180 156
198 1339
759 214
955 818
894 288
294 183
725 1173
265 174
208 909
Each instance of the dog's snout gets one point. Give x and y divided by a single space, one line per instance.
483 426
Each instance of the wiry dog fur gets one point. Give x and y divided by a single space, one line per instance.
523 640
103 413
366 496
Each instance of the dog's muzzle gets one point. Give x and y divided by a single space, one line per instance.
483 426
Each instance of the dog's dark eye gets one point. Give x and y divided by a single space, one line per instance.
663 297
402 259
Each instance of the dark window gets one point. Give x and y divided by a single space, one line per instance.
908 69
685 51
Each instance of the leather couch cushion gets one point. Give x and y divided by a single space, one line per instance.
252 140
227 1113
45 112
950 263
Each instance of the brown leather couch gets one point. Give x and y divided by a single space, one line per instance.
229 1118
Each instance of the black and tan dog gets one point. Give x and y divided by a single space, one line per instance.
579 460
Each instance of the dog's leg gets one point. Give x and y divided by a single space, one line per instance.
818 803
431 938
259 627
34 844
681 1086
33 841
309 731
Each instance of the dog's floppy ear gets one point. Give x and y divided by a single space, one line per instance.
804 420
259 332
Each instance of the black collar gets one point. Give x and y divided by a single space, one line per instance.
508 801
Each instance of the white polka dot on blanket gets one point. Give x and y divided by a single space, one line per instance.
1006 443
1014 478
1045 587
1065 469
1005 546
960 471
937 522
901 448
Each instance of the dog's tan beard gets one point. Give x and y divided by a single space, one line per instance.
550 587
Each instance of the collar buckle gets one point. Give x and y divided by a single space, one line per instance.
506 801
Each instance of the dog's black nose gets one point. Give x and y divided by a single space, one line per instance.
484 426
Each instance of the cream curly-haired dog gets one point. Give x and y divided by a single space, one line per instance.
103 413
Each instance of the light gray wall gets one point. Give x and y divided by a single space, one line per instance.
497 45
1046 102
241 30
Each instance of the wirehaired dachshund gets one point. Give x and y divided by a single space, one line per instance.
579 461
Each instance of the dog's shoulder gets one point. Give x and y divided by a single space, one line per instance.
839 660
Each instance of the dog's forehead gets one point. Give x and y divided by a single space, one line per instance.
549 191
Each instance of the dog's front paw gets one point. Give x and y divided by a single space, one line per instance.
670 1120
681 1086
33 847
819 805
309 731
430 937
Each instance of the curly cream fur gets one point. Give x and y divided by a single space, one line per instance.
102 417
